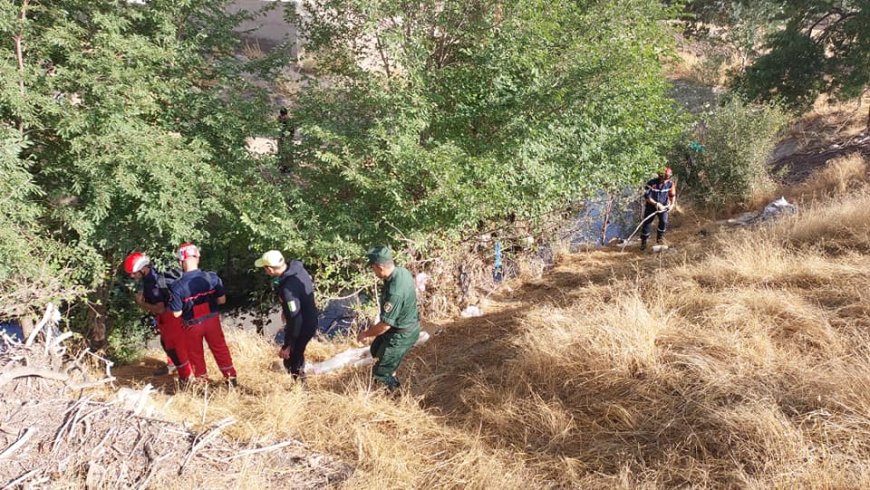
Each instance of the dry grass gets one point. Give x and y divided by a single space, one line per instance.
840 226
702 62
394 443
742 365
830 122
252 50
838 176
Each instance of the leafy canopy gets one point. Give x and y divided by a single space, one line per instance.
429 117
824 47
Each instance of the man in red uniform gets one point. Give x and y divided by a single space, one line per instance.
195 299
154 298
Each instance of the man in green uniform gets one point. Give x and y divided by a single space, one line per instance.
399 325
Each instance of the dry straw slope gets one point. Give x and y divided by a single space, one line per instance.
744 363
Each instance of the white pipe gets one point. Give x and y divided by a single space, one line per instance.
351 358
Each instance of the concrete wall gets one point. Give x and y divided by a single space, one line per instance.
269 28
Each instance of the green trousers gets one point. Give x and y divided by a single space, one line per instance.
389 349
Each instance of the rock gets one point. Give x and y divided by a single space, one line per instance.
471 311
258 146
785 149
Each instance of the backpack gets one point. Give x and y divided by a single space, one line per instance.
165 280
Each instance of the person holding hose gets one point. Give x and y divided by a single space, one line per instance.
399 325
659 198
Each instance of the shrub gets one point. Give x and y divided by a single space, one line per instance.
733 168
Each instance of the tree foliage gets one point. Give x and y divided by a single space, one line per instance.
738 141
123 128
824 47
430 117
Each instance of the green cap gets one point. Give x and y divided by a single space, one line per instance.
379 254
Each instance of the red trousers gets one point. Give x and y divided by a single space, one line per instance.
174 343
210 330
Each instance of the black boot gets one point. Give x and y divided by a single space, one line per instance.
643 243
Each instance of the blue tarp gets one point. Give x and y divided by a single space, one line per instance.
335 319
11 328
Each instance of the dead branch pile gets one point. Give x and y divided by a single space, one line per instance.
53 430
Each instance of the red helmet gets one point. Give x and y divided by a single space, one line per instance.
135 262
187 251
666 172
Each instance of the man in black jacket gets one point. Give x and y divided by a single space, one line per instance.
299 311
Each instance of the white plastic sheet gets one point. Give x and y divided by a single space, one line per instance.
351 358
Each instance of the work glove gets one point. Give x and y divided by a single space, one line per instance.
661 207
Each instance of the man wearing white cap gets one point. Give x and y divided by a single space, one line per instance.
299 310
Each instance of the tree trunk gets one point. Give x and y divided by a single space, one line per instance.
19 55
606 219
27 324
98 317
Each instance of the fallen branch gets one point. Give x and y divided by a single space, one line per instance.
273 447
56 342
199 442
109 363
92 384
51 315
28 433
152 468
21 478
23 372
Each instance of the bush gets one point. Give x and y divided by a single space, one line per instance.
733 167
127 341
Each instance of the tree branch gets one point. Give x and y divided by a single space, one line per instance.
19 55
28 433
829 29
816 23
384 59
24 372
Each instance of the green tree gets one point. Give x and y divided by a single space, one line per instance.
136 116
823 48
428 117
739 139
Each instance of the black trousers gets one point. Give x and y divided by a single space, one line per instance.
296 362
663 223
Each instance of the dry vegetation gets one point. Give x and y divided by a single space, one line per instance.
54 431
739 362
831 122
836 177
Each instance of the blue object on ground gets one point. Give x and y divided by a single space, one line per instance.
13 329
497 274
336 319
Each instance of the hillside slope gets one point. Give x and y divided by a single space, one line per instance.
737 358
